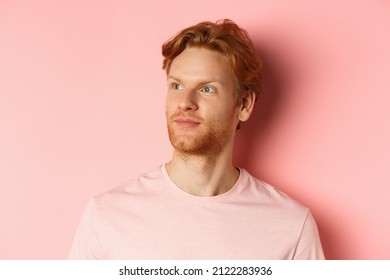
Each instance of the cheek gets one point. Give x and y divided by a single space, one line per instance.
170 110
220 117
228 116
168 102
171 99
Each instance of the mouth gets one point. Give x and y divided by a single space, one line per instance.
186 122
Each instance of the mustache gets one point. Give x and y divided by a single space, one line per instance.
185 116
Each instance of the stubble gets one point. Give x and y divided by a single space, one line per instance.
209 142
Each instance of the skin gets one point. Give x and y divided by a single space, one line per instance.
202 116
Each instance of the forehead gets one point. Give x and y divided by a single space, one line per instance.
201 64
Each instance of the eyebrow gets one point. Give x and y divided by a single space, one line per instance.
201 82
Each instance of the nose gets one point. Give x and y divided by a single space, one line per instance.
188 101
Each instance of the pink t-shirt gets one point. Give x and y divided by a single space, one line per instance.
151 218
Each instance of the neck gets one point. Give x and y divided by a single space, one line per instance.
203 175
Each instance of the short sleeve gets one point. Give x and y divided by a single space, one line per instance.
87 243
309 245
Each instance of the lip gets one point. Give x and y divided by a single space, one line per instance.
185 122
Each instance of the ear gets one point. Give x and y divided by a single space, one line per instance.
246 106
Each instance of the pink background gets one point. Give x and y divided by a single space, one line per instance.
82 110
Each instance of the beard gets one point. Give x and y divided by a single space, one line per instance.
209 141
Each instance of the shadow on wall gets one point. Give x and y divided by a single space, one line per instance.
252 139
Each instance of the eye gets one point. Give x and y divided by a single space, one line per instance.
176 86
208 89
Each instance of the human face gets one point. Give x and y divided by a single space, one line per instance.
201 107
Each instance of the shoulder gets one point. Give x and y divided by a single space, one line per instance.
273 198
131 191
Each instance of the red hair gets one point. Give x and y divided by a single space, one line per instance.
227 38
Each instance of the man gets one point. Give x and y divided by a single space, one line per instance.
198 205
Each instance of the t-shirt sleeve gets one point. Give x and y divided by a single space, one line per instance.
87 243
309 245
